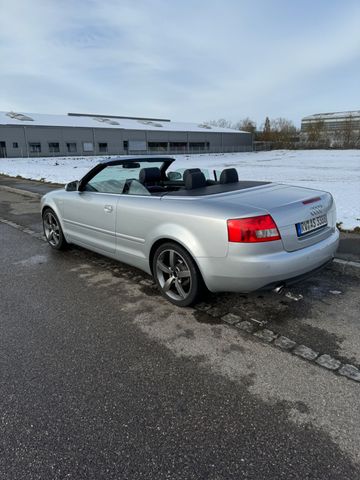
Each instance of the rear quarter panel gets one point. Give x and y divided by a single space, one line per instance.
197 224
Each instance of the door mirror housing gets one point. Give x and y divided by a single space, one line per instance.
72 186
173 176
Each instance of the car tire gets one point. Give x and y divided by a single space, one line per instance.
177 275
52 230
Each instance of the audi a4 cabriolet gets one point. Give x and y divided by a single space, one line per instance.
193 229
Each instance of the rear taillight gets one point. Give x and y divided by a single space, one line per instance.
253 229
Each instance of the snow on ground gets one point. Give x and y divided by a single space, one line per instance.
336 171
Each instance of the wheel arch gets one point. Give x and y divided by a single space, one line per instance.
46 207
52 206
161 241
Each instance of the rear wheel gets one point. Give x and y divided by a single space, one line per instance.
52 230
176 274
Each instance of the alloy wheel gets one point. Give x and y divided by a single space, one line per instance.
51 229
173 274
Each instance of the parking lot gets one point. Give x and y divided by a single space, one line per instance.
102 378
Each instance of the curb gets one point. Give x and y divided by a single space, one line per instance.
26 193
346 266
269 337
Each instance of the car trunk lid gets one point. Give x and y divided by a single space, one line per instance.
294 209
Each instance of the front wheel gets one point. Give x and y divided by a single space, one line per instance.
176 274
53 231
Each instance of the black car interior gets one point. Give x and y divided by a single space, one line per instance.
193 178
154 181
229 175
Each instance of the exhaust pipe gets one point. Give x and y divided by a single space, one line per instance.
279 289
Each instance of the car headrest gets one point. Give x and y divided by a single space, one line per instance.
229 175
148 175
195 180
190 170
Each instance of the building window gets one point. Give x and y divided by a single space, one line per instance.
71 147
88 147
178 146
15 145
54 147
35 147
126 145
103 147
157 146
199 146
137 146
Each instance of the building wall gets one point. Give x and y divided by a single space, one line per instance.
341 128
118 141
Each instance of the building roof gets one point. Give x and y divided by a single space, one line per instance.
111 121
332 115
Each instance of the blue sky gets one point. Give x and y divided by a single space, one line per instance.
187 60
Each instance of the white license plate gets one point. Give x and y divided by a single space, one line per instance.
311 225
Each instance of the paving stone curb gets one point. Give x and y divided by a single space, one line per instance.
265 335
305 352
28 231
346 266
285 343
231 319
252 326
350 372
20 191
328 362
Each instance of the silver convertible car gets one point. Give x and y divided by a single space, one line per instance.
190 229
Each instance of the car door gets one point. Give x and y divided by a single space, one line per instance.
89 215
135 219
89 219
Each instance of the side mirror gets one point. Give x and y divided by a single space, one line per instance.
72 186
174 176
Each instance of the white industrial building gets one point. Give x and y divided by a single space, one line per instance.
342 128
74 134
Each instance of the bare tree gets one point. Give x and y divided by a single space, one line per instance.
315 132
247 125
222 123
266 131
281 132
347 132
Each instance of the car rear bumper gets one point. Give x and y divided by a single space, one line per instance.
246 271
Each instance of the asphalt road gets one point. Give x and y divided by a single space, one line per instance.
103 379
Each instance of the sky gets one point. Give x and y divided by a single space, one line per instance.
187 60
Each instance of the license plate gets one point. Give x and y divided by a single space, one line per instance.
310 225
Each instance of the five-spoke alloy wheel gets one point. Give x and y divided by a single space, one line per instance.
52 230
176 274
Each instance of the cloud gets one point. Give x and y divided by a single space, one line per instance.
182 60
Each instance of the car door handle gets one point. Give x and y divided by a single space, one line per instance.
108 208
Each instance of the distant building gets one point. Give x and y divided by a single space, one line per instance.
337 128
40 135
